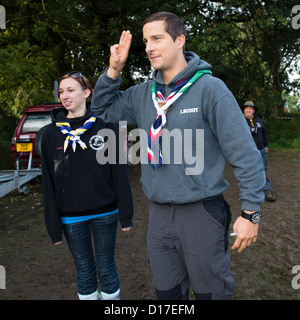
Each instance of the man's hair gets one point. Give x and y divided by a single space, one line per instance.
174 25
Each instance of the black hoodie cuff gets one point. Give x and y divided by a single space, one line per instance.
57 237
125 223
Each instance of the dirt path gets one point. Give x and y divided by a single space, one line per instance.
37 270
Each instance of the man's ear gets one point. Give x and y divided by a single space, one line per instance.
181 41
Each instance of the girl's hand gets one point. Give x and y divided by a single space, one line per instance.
126 229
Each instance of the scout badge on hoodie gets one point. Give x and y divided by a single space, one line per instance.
161 105
74 135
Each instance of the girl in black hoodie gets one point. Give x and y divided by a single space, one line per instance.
82 196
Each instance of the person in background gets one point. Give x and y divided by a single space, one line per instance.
259 135
82 197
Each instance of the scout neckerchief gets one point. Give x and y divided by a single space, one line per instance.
251 121
74 135
161 105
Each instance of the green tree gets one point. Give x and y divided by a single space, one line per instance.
251 45
46 38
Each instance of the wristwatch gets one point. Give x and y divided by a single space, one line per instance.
253 217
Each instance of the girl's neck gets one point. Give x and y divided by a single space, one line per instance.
76 114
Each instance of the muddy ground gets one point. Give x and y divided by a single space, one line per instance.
37 270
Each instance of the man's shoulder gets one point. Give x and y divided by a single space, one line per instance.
210 81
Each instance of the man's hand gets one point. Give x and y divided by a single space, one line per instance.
119 54
246 234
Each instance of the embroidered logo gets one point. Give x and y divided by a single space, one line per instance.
96 142
188 110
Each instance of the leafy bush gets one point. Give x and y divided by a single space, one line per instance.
284 134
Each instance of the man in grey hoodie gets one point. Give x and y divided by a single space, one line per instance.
188 217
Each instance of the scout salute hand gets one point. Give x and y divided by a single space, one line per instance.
119 53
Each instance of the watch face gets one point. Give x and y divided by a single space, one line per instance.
256 217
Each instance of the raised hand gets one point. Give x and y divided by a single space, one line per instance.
119 54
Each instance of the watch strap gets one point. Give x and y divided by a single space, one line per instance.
254 217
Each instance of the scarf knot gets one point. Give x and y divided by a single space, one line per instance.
161 105
73 136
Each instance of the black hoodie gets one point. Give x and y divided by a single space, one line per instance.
74 183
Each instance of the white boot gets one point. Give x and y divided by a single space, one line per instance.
91 296
110 296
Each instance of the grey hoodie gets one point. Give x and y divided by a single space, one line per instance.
213 131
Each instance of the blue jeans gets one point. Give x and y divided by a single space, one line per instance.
78 236
263 153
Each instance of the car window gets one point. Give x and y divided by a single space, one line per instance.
35 121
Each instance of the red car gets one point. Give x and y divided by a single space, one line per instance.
27 136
